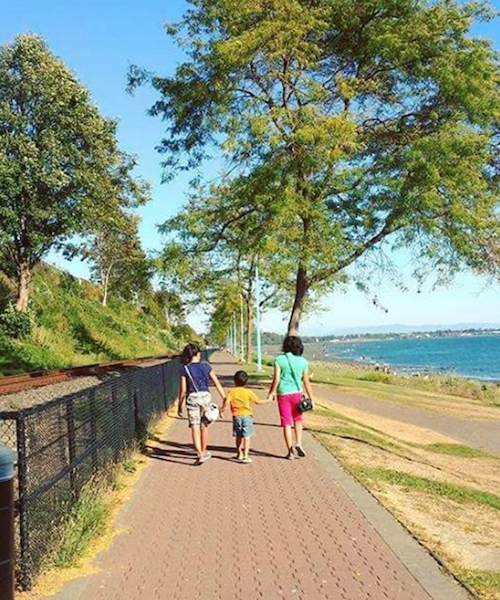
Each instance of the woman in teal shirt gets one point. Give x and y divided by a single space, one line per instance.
291 371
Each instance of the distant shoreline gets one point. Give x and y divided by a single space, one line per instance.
275 340
415 335
414 365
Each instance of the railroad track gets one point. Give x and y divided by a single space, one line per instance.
25 381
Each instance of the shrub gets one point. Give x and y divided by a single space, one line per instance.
376 376
16 324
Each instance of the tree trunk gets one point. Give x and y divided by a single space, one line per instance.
301 288
249 328
23 286
105 294
105 287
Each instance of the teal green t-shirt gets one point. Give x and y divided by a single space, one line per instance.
288 380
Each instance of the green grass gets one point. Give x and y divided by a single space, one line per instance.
456 450
71 327
90 515
485 583
404 389
88 519
451 491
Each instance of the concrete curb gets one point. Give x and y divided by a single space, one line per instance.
424 568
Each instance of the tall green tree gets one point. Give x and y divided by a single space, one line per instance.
225 304
206 255
366 122
117 260
60 167
171 305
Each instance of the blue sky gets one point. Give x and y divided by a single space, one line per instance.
99 39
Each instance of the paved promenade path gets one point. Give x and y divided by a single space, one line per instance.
274 529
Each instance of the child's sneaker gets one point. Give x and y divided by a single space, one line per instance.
246 460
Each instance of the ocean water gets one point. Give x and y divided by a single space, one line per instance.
477 357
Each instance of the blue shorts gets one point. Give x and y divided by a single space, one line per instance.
242 426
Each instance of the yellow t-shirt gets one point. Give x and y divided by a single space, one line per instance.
240 400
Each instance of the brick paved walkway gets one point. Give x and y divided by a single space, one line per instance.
228 531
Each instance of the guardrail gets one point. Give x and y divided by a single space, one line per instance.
61 444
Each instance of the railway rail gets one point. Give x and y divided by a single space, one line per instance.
25 381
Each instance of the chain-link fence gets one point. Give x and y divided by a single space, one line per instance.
63 443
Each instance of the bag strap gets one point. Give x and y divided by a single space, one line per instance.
191 377
299 385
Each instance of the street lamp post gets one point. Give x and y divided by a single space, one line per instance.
258 322
235 337
231 338
242 335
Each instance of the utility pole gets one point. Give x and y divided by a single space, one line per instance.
258 323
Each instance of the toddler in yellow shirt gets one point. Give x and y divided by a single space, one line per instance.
240 400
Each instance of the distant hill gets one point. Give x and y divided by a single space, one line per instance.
274 339
399 328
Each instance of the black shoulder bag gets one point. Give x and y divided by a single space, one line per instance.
305 403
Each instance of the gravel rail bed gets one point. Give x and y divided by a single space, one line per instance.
33 396
43 394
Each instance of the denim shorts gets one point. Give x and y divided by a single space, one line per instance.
242 426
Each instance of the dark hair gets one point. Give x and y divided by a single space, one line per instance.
240 377
293 344
189 352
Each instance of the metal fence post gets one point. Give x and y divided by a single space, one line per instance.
7 551
22 479
137 418
164 381
114 408
93 430
70 419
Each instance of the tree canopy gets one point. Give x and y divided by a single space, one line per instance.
356 121
212 262
60 166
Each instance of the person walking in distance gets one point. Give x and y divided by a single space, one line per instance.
195 377
291 371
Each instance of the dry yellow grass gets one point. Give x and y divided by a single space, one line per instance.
449 502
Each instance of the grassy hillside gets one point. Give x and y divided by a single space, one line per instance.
70 326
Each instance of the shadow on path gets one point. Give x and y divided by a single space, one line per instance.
180 450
